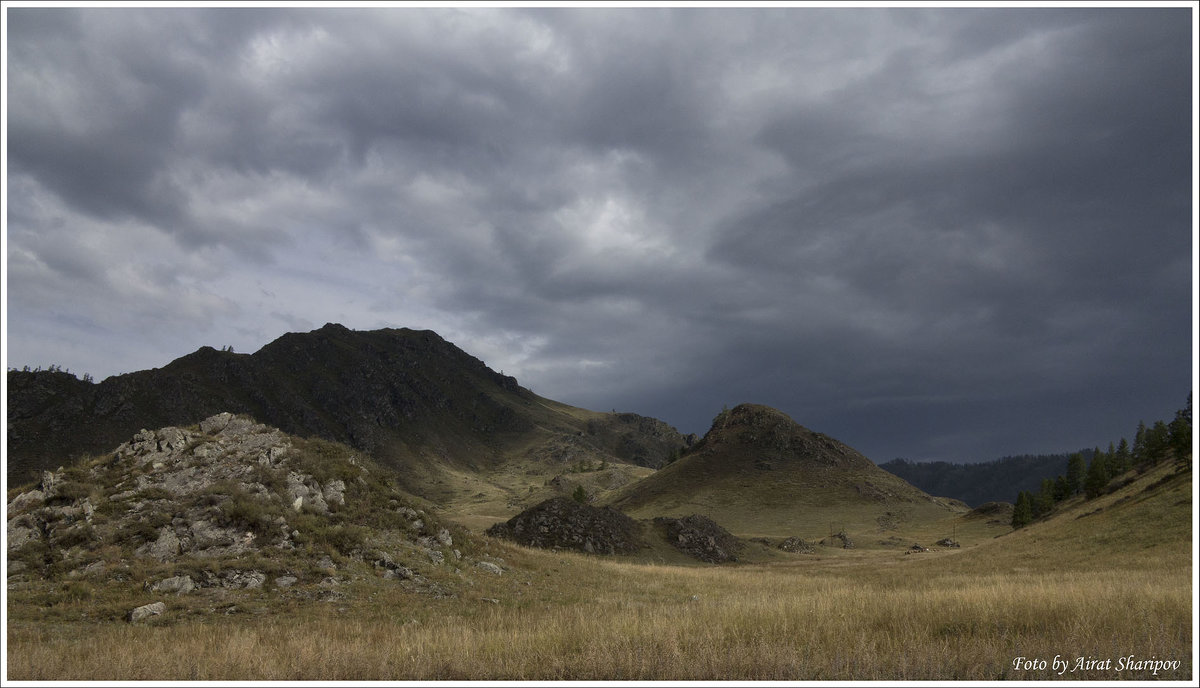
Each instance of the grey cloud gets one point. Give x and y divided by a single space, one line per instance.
926 230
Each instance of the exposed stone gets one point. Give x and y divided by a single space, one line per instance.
841 539
798 545
946 542
176 584
700 537
20 531
489 567
335 492
444 539
147 610
247 580
563 523
206 535
25 501
164 548
215 424
285 581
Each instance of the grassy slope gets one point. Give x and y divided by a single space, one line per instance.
1109 585
759 474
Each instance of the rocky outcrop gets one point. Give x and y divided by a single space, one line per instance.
562 523
220 491
700 537
797 545
146 611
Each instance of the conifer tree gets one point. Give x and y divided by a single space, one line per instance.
1097 477
1043 501
1139 444
1123 457
1061 489
1022 511
1076 470
1181 437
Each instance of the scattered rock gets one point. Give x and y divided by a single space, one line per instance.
444 539
334 492
26 500
946 542
285 581
164 548
146 611
698 536
796 544
177 584
840 539
489 567
916 548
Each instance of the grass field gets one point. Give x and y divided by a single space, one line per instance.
1097 585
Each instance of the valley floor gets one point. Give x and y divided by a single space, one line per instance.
566 616
1103 597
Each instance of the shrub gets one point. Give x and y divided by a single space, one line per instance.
245 512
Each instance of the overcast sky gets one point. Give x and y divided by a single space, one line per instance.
931 233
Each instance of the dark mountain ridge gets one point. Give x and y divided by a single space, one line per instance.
1000 480
398 394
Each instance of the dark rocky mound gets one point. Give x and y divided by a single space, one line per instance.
563 523
700 537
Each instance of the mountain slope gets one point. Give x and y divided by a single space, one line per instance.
758 472
410 398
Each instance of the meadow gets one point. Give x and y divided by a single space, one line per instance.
1052 590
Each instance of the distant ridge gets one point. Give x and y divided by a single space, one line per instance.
1000 480
408 397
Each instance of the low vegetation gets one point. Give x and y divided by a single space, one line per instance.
1063 587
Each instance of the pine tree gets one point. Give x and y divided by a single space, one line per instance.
580 494
1076 470
1022 511
1043 501
1097 477
1139 444
1123 457
1158 441
1061 489
1181 437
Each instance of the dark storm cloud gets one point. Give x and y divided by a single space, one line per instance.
933 233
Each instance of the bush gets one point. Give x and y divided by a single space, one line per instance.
245 512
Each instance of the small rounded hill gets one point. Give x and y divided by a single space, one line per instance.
758 471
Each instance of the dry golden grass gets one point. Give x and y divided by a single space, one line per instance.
613 620
1105 586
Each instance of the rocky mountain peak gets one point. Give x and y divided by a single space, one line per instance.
773 435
